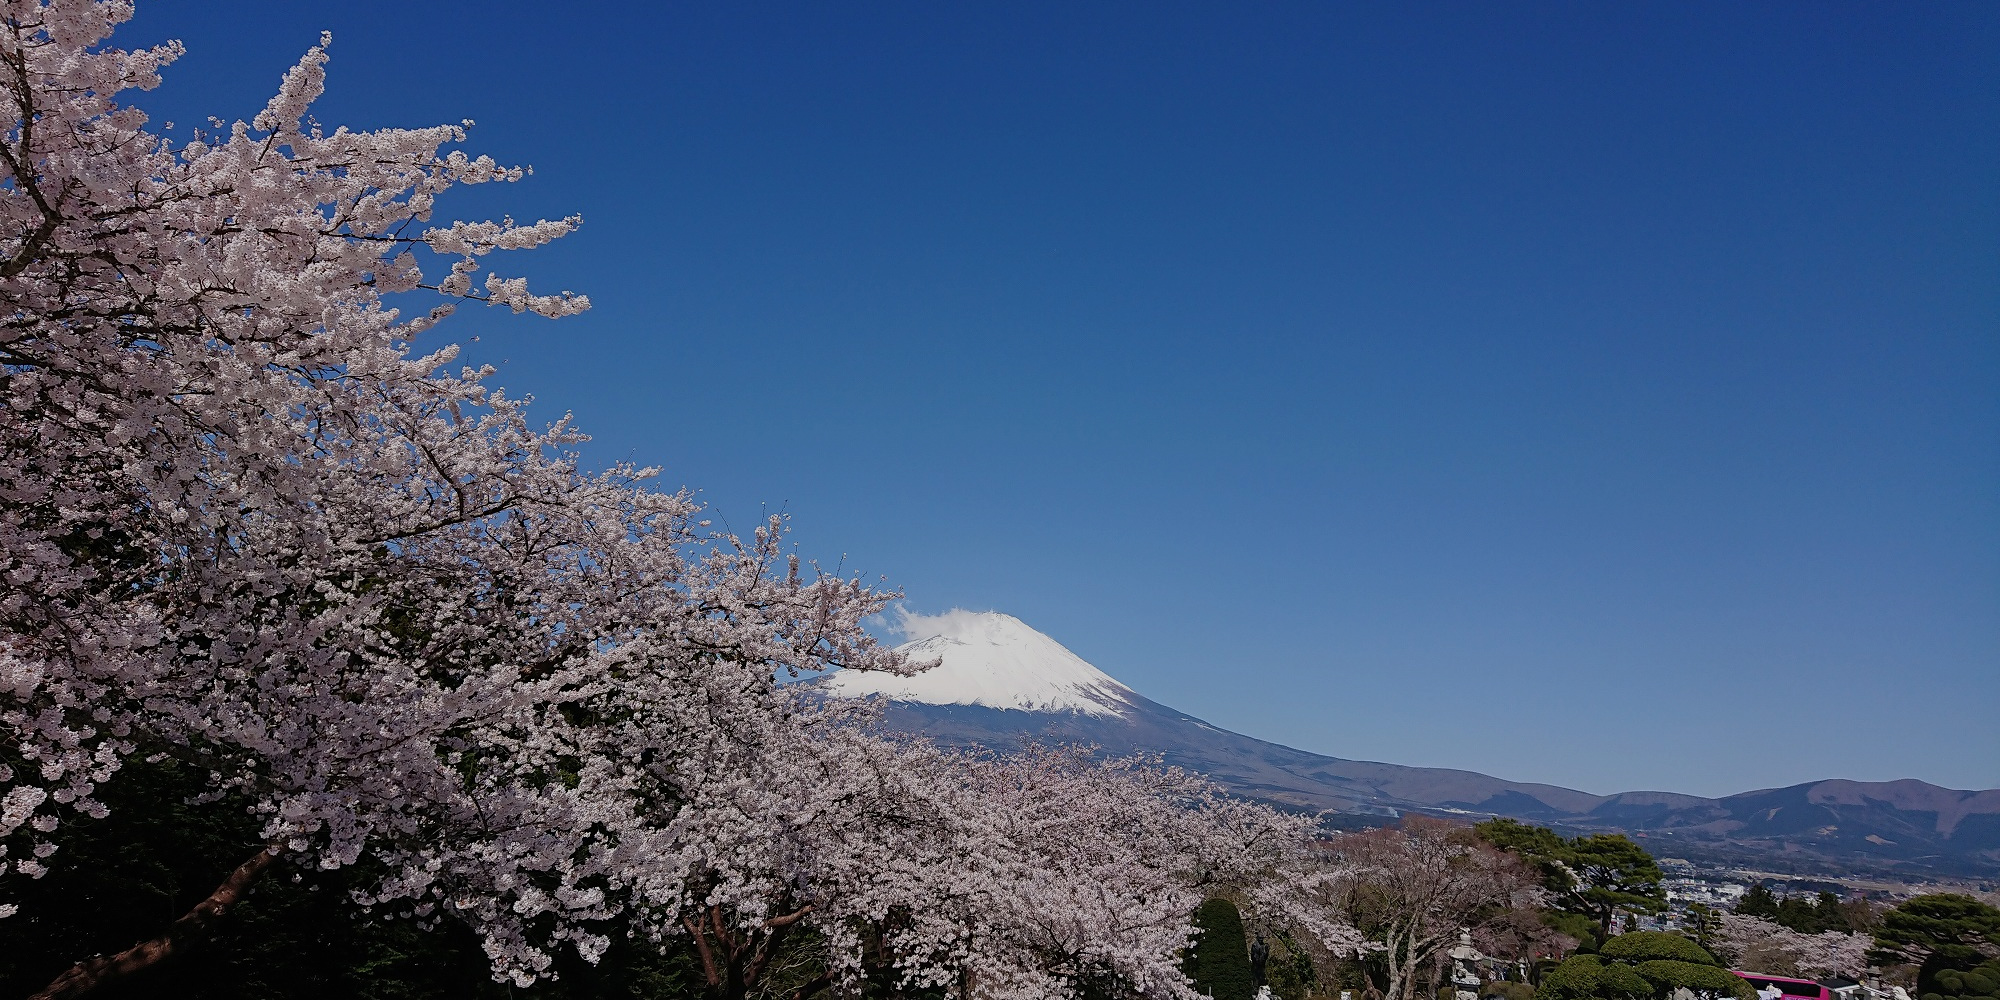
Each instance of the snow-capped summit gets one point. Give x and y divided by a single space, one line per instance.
989 659
1003 686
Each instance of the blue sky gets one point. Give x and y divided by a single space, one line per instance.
1606 395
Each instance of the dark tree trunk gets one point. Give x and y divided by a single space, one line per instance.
733 962
84 977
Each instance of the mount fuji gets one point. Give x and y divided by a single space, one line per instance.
1002 685
993 661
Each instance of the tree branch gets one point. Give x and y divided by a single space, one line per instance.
708 966
788 919
87 976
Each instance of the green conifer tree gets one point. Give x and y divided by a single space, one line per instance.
1219 961
1758 902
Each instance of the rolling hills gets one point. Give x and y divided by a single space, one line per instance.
1001 684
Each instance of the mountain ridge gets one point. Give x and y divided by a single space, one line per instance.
989 691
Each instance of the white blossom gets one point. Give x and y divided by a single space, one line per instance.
1759 945
247 524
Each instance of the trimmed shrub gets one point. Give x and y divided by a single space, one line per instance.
1981 982
1574 979
1622 981
1665 974
1585 976
1646 946
1647 964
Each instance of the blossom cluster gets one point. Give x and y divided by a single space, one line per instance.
1758 945
245 523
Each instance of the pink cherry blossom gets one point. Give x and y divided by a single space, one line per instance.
246 522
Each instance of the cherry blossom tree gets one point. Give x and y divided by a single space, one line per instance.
1101 867
922 868
248 524
1403 894
1758 945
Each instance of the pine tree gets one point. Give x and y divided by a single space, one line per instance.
1760 901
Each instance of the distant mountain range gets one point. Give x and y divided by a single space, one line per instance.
1001 684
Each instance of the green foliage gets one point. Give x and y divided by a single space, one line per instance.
1815 915
1510 991
1981 982
127 877
1594 875
1526 839
1797 913
1587 977
1219 962
1574 979
1614 873
1667 974
1812 916
1290 972
1622 981
1649 964
1575 925
1540 847
1940 933
1643 946
1827 914
1760 902
1938 921
1704 923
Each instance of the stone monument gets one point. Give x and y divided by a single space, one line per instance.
1464 977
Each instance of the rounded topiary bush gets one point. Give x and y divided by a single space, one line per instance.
1646 946
1642 964
1981 982
1574 979
1586 976
1665 974
1622 981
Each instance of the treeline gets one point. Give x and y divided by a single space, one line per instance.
1817 914
1539 907
1560 942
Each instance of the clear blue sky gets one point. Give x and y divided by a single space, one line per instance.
1603 394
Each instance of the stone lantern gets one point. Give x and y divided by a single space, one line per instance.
1464 977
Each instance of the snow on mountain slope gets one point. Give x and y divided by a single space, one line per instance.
992 660
1002 685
